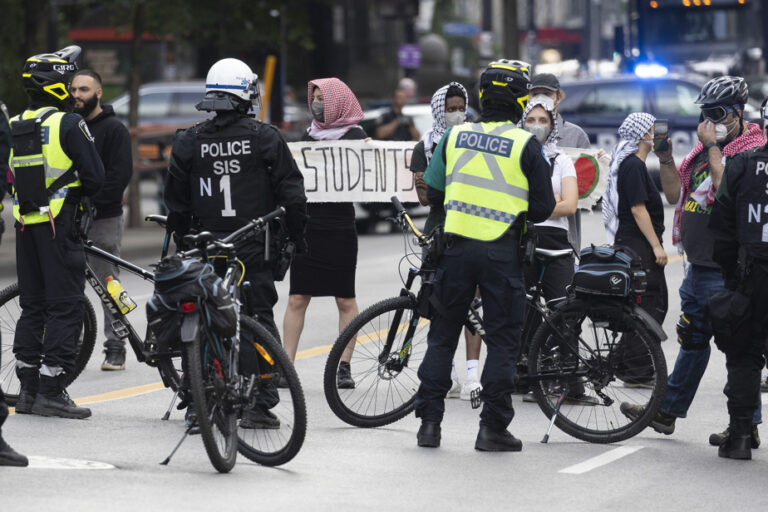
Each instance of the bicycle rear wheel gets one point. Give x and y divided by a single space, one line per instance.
591 408
210 383
282 436
10 312
383 365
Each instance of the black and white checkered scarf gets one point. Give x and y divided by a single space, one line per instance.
435 133
630 132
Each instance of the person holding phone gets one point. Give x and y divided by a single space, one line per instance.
723 133
634 217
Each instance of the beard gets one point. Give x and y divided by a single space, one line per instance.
88 106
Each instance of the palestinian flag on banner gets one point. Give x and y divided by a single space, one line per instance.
591 174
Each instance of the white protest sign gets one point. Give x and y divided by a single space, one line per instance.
355 170
372 172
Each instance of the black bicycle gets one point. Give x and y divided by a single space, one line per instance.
223 392
565 346
145 348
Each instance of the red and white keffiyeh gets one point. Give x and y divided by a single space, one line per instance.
705 194
342 110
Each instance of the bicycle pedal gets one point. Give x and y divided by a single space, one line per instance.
474 398
119 328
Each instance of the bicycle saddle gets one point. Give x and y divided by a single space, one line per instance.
204 237
162 220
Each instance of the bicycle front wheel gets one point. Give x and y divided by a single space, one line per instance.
210 385
10 312
579 355
273 428
387 342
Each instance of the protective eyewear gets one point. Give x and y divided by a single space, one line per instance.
717 113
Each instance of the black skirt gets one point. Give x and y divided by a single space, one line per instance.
328 269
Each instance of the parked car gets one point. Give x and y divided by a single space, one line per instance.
599 107
165 103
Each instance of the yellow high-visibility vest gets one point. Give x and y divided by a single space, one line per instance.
485 188
54 160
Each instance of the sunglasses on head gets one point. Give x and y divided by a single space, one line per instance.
718 113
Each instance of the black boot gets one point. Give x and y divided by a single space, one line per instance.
739 441
719 438
428 435
344 378
9 456
496 441
53 400
30 383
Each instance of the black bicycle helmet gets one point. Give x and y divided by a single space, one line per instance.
505 82
47 77
723 90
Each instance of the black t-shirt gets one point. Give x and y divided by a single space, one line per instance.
695 235
403 130
636 186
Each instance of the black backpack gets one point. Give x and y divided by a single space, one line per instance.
178 281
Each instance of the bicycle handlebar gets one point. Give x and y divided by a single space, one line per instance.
255 224
401 212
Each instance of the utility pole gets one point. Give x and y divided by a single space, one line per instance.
486 34
134 201
531 39
511 32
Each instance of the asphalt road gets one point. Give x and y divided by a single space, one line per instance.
345 468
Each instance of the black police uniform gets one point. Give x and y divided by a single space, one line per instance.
227 171
496 268
51 269
739 221
5 151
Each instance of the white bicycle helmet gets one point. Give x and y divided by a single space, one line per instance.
229 78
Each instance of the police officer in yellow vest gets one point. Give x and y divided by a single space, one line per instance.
54 164
490 176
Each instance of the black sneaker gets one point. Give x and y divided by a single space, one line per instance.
492 441
30 384
60 406
719 438
9 456
344 378
259 418
190 421
114 360
582 399
662 423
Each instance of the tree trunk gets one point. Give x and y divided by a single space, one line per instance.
511 35
134 201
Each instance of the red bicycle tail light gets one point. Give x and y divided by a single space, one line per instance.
188 307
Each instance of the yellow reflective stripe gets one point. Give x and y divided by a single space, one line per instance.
57 86
26 75
502 84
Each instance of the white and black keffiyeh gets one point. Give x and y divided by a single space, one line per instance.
630 132
435 133
550 145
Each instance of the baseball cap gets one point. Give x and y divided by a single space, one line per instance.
545 81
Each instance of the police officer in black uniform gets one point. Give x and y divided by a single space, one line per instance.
54 164
740 223
8 456
229 170
490 176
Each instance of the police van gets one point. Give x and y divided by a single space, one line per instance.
600 106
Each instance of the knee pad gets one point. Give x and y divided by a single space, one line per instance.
685 332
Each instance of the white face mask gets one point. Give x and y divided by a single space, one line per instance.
539 131
544 99
454 118
722 131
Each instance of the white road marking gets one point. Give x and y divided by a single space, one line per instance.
40 462
600 460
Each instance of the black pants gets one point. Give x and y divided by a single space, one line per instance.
636 361
51 275
558 273
495 268
744 355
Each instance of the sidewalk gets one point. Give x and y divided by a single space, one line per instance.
137 242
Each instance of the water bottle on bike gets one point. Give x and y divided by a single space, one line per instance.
120 296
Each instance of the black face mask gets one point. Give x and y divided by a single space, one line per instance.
88 106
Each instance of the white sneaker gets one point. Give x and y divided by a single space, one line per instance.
468 388
455 391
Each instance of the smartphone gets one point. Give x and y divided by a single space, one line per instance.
661 135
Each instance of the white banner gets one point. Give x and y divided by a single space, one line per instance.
355 170
374 171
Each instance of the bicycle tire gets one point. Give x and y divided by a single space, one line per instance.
599 357
10 311
274 447
214 416
364 406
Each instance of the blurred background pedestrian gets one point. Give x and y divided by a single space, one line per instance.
394 125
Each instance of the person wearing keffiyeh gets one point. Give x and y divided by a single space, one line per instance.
633 214
723 133
449 106
328 268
